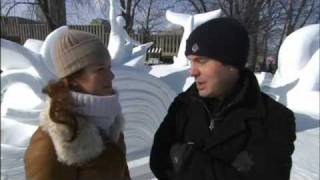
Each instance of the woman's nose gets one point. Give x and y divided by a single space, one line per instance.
111 75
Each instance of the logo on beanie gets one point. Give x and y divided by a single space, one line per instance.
195 47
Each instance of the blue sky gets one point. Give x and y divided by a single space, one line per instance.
83 14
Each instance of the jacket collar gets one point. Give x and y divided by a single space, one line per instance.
247 95
81 149
246 104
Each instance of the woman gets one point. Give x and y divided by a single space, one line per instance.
81 131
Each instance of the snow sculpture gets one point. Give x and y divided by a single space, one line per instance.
300 49
189 23
296 85
122 47
297 77
27 64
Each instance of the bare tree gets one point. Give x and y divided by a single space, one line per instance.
296 14
54 11
249 14
149 17
267 27
129 12
128 9
4 5
12 5
199 6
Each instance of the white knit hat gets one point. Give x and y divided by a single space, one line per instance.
77 49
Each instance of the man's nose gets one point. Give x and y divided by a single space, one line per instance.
194 71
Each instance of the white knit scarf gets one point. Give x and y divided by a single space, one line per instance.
102 110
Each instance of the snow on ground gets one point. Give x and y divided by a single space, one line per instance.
306 155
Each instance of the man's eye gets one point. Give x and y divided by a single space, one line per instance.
203 61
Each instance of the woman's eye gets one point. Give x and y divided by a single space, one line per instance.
100 69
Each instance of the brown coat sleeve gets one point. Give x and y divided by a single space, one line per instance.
123 146
41 160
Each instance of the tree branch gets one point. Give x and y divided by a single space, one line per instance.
223 7
18 3
195 6
302 5
284 7
308 14
203 4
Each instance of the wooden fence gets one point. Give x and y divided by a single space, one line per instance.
169 43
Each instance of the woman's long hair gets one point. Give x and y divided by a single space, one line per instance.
61 103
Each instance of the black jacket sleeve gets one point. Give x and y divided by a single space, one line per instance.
164 138
272 157
268 151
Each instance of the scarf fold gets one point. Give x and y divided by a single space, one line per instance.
102 110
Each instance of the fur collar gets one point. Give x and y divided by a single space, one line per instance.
87 145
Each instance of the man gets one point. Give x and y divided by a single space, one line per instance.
223 127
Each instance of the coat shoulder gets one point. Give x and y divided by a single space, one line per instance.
280 121
40 145
275 107
41 160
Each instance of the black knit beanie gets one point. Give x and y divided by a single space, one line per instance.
222 39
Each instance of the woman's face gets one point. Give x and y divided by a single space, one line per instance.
95 79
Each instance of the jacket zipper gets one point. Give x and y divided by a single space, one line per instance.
211 125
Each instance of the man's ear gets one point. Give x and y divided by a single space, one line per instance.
231 68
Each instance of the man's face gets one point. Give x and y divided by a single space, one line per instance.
213 78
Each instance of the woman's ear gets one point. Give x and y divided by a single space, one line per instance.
73 83
49 88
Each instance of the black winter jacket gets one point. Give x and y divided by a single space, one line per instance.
252 136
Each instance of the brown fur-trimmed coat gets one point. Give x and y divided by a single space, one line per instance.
89 156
